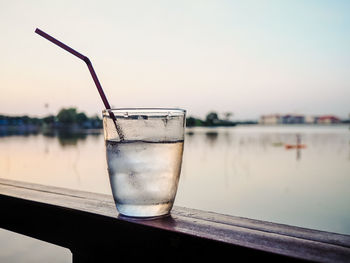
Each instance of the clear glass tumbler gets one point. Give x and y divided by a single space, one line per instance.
144 149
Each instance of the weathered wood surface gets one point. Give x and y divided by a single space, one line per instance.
89 225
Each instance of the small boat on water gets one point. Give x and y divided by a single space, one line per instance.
298 145
295 146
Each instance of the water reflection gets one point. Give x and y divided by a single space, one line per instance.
190 133
67 160
68 139
288 142
298 146
249 171
243 171
17 132
298 154
211 136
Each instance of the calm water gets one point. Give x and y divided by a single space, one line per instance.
243 171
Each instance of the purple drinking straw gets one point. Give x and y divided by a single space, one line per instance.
92 72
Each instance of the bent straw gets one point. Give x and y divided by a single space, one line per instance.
92 72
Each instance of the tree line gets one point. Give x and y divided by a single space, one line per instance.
212 120
73 117
65 117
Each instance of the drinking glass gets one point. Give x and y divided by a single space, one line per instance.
144 148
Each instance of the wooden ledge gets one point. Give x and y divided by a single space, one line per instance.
89 225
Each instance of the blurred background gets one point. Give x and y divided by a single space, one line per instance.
265 85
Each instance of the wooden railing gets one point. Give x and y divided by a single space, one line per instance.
89 225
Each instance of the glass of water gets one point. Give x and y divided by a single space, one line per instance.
144 149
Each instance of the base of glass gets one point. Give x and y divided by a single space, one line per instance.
144 211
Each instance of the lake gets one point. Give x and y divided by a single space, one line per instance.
244 171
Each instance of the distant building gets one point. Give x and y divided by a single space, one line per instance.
298 119
293 119
310 119
328 119
282 119
270 119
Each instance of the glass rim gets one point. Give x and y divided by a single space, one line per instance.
144 110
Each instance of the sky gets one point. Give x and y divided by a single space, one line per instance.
246 57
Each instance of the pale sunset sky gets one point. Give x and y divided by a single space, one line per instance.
246 57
